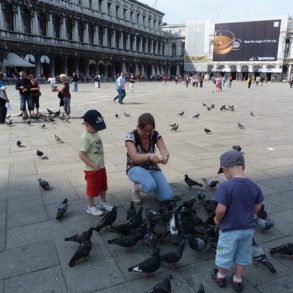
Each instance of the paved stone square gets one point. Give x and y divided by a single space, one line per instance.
33 254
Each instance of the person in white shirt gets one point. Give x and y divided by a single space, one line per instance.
120 87
52 81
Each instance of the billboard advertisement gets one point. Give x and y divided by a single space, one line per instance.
246 41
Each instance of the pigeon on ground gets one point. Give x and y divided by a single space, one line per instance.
286 249
197 244
191 182
44 184
58 139
57 114
172 125
18 143
148 266
181 114
207 131
210 183
136 221
116 115
163 286
237 148
126 241
50 111
7 117
252 114
223 108
40 153
43 125
212 106
9 123
108 220
82 252
201 195
241 126
28 122
131 211
62 209
84 236
262 214
126 115
259 256
263 225
209 108
175 255
196 115
204 104
231 108
175 127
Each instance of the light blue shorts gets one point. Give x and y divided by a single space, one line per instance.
234 247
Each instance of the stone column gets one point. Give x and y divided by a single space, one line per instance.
86 34
1 17
105 37
177 70
128 42
140 45
96 36
52 62
75 32
151 46
146 45
63 30
121 40
50 27
113 39
156 47
104 6
35 24
37 64
18 21
134 43
65 64
289 72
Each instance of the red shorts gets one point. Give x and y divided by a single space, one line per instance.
96 182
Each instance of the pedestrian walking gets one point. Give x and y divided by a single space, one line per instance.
98 81
75 80
120 87
201 79
131 82
35 93
3 100
52 81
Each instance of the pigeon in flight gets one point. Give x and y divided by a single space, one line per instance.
58 139
84 236
207 131
163 286
44 184
191 182
62 209
82 252
175 127
196 115
181 114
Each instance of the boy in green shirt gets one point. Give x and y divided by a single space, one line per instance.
92 154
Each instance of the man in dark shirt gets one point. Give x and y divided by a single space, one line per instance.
23 85
239 199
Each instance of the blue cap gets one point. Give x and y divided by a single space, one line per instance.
231 159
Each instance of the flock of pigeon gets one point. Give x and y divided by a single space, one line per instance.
175 126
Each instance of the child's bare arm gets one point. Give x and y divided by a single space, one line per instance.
257 208
220 213
83 156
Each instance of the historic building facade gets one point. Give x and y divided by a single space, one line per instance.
88 37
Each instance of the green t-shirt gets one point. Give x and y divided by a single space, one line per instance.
92 144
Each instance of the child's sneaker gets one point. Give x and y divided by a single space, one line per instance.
135 197
237 286
105 205
221 282
94 211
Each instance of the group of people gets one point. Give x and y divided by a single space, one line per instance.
238 199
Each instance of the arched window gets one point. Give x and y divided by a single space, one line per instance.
8 16
174 49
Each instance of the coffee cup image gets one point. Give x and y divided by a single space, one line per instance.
225 41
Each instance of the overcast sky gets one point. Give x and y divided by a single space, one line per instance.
180 11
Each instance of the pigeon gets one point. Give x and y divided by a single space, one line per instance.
223 108
201 288
197 244
28 122
191 182
175 255
44 184
204 104
126 241
108 220
131 212
259 256
62 209
175 127
207 131
136 221
210 183
252 114
116 115
263 225
50 112
286 249
262 214
163 286
148 266
9 123
209 108
196 115
43 125
51 119
201 195
58 139
188 204
181 114
57 114
40 153
240 125
82 252
84 236
18 143
237 148
126 115
212 106
7 117
231 108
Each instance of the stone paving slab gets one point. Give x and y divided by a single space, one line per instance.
45 281
3 208
26 259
